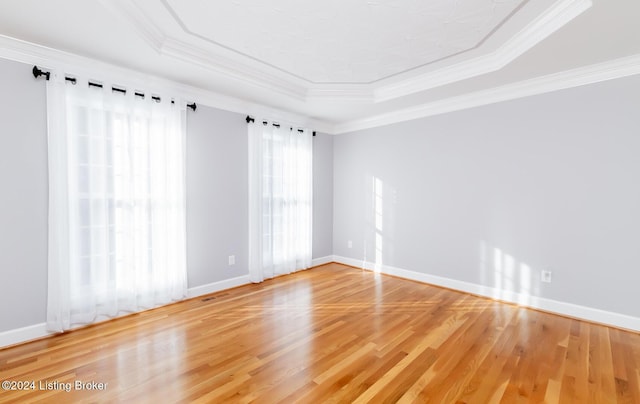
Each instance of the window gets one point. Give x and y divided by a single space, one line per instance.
280 171
116 203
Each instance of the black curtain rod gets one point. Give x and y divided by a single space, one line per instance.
37 72
277 125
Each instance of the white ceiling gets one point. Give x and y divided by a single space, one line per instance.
342 64
339 41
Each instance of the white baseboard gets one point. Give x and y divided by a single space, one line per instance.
28 333
321 260
218 286
535 302
31 332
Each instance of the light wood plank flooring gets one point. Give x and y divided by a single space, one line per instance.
333 334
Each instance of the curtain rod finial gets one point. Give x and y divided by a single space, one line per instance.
37 73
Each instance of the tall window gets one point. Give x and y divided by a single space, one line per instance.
116 203
280 198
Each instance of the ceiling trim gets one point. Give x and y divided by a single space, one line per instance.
185 28
131 13
618 68
221 62
238 66
50 58
29 53
232 69
345 92
537 30
218 45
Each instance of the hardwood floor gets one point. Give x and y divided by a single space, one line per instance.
333 333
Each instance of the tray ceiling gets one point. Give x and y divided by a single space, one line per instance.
338 64
339 41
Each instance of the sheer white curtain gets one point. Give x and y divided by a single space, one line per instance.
116 203
280 200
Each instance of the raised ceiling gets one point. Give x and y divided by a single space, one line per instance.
339 41
337 65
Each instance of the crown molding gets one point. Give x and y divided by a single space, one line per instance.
25 52
138 20
618 68
221 61
229 63
49 58
232 69
340 92
187 29
537 30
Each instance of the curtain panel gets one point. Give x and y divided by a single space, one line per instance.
116 203
280 200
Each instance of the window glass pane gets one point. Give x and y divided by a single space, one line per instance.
80 124
82 150
83 179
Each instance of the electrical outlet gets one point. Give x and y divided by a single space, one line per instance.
349 244
232 260
545 276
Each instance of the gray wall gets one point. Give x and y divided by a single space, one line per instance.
217 195
322 195
493 195
217 189
23 197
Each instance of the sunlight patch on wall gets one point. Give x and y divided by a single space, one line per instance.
378 212
506 274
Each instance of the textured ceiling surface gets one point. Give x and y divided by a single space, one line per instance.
345 41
